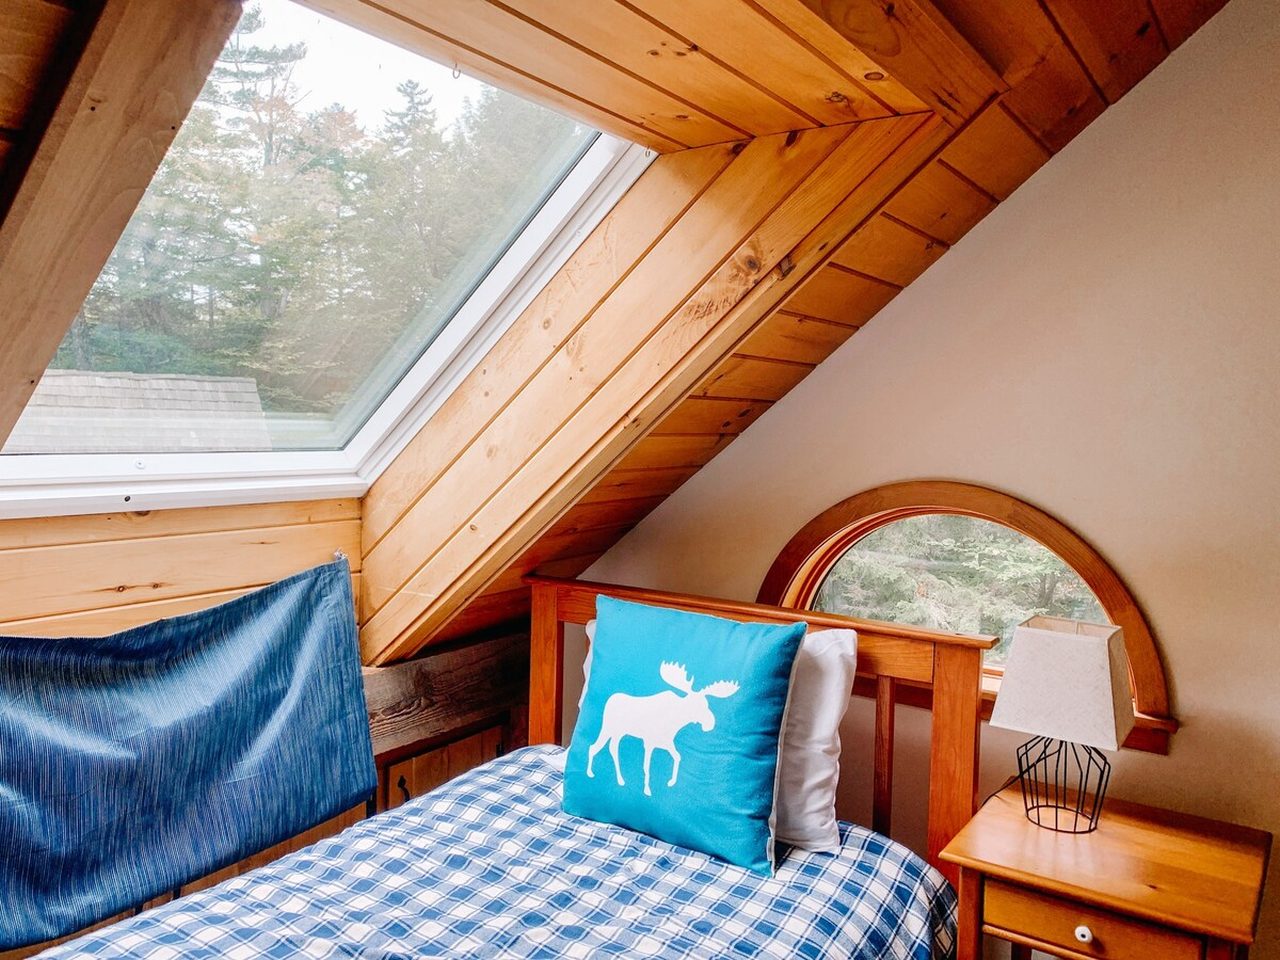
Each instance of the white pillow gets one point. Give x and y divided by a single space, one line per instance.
822 684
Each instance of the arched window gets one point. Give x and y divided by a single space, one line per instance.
968 559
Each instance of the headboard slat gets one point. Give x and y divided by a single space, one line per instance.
887 653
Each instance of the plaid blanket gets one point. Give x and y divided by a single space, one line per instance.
489 866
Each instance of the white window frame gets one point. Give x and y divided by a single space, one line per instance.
44 485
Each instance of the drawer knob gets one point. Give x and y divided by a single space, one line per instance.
1084 934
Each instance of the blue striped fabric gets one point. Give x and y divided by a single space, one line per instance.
133 763
489 866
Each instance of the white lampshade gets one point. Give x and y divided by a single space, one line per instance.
1068 680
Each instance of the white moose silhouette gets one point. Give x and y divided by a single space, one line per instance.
656 719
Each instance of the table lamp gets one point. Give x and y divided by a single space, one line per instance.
1067 684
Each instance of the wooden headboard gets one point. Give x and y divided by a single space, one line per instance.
887 655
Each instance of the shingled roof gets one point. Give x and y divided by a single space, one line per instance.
75 411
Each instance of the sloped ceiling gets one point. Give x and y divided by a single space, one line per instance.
773 246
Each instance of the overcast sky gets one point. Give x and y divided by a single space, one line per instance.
345 65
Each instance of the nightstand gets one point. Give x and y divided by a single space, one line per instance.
1148 884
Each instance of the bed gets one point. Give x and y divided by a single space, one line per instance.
489 866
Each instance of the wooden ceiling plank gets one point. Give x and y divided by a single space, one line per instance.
735 34
605 514
1179 19
648 50
940 204
637 222
402 30
142 68
843 56
514 46
30 34
711 415
753 378
719 314
917 45
889 250
1119 43
1049 89
787 336
673 452
840 297
607 337
995 152
638 483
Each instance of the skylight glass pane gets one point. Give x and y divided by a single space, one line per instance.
325 209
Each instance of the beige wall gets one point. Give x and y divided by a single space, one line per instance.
1107 346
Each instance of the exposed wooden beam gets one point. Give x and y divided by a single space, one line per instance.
141 70
774 214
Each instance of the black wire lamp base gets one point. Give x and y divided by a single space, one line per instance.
1063 784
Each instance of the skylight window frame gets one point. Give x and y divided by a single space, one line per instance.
44 485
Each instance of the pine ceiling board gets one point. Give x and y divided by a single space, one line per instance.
753 378
786 336
774 257
1119 43
803 23
1179 19
396 26
939 203
585 517
513 43
30 31
1050 91
638 483
648 50
840 296
644 215
708 415
890 250
603 342
737 35
663 452
995 152
917 45
142 68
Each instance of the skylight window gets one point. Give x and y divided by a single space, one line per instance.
326 209
340 231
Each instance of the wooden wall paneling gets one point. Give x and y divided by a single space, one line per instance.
853 176
30 32
681 67
842 296
120 570
639 220
941 203
603 336
1050 92
889 250
1179 19
141 70
1119 43
744 37
660 451
753 378
917 45
995 152
639 483
795 338
711 415
582 517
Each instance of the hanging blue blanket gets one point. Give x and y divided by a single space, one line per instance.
134 763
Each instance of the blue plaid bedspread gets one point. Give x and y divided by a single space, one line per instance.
489 866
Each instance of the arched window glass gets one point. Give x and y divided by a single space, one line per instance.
955 573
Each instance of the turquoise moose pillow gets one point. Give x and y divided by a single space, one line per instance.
679 730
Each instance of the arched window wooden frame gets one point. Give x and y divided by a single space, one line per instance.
804 562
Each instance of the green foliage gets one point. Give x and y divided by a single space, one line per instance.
296 247
958 574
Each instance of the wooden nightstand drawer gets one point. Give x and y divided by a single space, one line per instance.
1012 909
